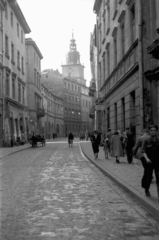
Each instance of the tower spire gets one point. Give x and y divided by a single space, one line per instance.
72 34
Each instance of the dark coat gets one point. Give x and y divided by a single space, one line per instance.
129 140
95 143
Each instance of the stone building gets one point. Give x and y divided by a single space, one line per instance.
53 121
14 85
2 8
77 101
126 98
33 80
72 106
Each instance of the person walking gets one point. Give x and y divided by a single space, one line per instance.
150 150
70 139
116 146
106 147
109 135
95 140
137 149
129 143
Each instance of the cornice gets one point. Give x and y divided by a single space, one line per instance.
17 11
97 5
29 41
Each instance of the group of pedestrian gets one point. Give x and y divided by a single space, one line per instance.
146 149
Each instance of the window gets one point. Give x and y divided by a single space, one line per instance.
34 76
17 29
7 83
104 67
69 86
79 89
18 60
6 12
13 87
72 100
12 53
23 95
75 88
6 46
22 36
11 19
123 39
123 112
115 51
64 84
108 60
22 64
132 22
108 117
19 92
115 116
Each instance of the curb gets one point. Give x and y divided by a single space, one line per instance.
17 150
148 204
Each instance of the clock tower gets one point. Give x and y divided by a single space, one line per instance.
73 68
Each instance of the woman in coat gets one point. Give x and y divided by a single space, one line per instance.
95 139
70 139
116 146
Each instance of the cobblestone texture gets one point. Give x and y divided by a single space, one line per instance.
55 193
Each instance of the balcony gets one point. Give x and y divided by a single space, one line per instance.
40 112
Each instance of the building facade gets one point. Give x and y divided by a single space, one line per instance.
77 100
72 106
33 80
53 121
15 115
2 8
125 97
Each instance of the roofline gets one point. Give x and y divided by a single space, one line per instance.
29 41
97 6
15 6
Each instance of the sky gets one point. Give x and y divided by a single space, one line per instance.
52 22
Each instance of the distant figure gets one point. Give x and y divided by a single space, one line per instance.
129 143
116 146
70 139
95 140
109 135
106 147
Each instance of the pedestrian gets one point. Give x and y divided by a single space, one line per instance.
150 150
106 147
95 140
109 135
116 146
137 149
129 144
70 139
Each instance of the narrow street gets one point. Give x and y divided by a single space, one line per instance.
54 192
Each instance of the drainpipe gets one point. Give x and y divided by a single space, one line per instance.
141 80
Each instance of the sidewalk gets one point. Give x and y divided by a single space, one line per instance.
9 150
127 176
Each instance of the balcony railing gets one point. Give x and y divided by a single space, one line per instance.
40 112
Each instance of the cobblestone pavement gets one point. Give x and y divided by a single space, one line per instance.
53 192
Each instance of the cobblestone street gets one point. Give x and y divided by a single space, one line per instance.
54 192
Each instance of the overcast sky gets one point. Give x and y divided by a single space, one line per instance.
51 23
